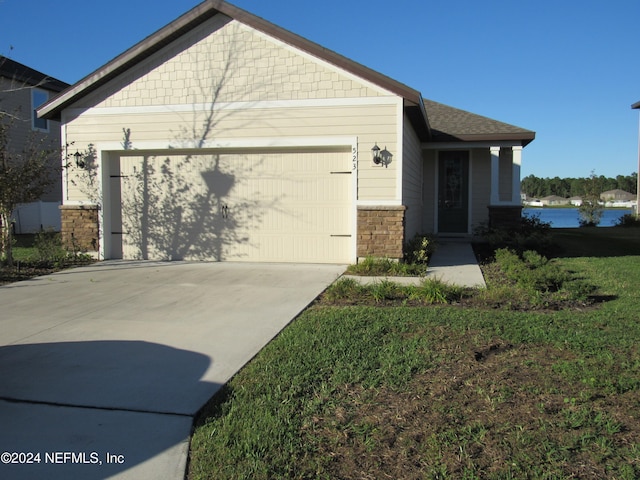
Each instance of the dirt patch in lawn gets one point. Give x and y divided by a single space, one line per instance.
483 411
25 271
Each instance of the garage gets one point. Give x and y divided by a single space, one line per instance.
266 206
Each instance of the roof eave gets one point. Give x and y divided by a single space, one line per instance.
636 105
19 72
524 138
417 115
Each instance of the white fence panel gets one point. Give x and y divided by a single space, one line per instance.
36 216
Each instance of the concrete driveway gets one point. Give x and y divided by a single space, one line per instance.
102 368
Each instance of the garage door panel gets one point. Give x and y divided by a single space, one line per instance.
254 206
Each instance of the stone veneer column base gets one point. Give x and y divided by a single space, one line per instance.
80 227
381 231
505 216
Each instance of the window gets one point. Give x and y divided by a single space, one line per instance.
38 97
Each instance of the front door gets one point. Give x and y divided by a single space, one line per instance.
453 192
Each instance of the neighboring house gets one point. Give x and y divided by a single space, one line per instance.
22 90
576 201
554 200
617 196
225 137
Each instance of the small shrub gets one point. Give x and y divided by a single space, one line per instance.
373 266
590 212
540 280
48 246
628 220
534 259
434 291
532 271
531 234
342 289
385 290
419 249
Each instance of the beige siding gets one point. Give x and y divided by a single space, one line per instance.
412 181
480 186
430 181
224 82
368 123
183 128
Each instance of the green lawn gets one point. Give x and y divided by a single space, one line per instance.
598 241
444 391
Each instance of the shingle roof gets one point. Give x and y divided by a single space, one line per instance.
449 124
21 73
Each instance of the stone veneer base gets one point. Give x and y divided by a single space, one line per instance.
381 231
80 231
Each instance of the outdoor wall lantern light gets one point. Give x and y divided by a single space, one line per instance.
79 160
381 157
375 153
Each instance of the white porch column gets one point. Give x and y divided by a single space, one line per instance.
515 174
495 175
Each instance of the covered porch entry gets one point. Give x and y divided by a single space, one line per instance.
469 186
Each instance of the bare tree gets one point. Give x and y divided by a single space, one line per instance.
24 177
27 171
171 213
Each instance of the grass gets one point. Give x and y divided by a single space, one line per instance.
39 254
597 241
348 291
372 266
443 391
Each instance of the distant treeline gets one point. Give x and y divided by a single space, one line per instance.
577 187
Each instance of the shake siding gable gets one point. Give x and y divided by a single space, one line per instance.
225 61
246 87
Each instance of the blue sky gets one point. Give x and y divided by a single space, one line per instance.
567 70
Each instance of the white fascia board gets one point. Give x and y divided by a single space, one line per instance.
231 144
468 145
231 106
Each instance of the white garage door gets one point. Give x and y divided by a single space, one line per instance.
268 206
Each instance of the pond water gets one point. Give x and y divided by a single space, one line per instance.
569 217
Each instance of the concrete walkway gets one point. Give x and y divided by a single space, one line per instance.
103 368
453 262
